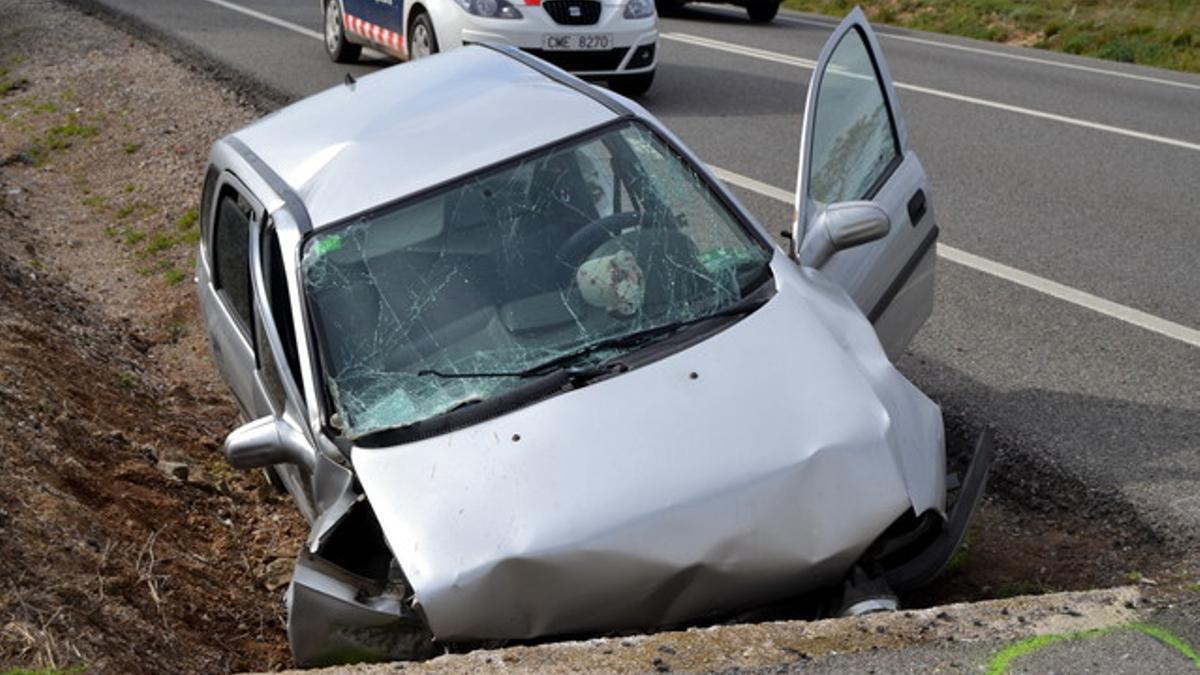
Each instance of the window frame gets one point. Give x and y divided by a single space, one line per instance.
897 146
226 185
284 383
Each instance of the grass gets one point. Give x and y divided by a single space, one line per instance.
66 134
963 555
1015 588
15 84
187 219
159 242
127 379
58 137
1161 33
173 275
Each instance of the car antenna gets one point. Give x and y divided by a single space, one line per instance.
350 81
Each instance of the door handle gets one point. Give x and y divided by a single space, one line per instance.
916 207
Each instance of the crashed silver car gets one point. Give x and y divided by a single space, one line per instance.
528 368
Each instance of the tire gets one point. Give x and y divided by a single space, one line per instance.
339 49
632 85
762 11
422 40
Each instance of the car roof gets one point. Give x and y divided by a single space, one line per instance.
416 125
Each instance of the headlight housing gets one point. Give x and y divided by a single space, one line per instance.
491 9
639 9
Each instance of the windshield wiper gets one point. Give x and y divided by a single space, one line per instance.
744 306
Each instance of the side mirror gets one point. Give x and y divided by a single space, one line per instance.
841 226
264 442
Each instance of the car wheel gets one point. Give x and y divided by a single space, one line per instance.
422 41
762 12
632 85
337 46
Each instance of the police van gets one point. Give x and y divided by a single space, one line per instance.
612 40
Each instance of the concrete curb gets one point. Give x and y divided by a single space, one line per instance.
784 643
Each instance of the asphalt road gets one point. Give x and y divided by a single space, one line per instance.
1067 190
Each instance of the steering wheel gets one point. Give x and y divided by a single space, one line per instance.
590 237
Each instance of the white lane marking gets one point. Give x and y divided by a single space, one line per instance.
787 59
1074 296
295 28
268 18
1006 55
1054 289
753 185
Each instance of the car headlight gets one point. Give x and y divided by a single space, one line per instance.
492 9
639 9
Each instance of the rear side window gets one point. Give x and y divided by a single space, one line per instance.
231 255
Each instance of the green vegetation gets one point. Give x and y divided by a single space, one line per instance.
15 84
1133 576
963 554
64 135
1015 588
1162 33
43 107
187 219
131 148
127 379
59 137
173 275
159 242
135 208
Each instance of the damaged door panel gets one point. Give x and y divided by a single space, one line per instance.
518 392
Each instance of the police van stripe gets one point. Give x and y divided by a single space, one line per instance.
377 34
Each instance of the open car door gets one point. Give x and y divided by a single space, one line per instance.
863 214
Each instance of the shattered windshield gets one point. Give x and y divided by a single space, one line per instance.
443 300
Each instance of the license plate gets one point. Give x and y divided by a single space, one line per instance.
578 43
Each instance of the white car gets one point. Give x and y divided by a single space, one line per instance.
612 40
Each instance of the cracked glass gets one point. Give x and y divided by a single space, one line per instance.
446 299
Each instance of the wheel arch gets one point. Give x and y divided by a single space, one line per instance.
446 17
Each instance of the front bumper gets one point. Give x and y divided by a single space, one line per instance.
634 41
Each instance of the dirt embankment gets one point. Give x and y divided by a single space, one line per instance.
126 545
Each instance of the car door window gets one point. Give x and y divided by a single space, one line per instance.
231 241
854 144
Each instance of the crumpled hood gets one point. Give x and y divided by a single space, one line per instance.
657 496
